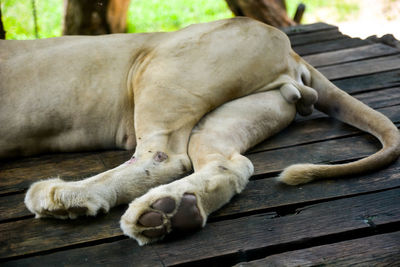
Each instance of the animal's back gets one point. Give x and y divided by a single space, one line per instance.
60 86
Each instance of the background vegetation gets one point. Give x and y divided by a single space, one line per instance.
151 15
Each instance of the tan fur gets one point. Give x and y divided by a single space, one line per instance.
194 99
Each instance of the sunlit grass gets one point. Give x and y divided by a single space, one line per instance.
18 20
156 15
319 10
151 15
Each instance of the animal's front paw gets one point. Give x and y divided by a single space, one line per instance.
63 200
149 218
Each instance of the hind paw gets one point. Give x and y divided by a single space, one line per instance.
149 219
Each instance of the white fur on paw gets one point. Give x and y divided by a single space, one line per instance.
63 200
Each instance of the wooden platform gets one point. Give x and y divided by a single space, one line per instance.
337 222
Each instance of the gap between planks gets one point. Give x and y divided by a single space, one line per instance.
382 250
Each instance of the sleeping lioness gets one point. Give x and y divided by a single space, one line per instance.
191 100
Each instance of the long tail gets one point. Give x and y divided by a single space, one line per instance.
340 105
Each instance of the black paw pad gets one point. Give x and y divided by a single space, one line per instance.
154 232
166 204
151 219
188 216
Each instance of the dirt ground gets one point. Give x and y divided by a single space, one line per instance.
374 17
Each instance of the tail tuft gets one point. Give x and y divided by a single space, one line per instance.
298 174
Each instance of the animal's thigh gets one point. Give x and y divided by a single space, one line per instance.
240 124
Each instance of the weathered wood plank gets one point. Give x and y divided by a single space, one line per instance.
34 235
43 159
317 114
361 67
369 82
16 179
381 98
315 37
306 28
262 232
326 46
13 207
350 54
377 250
112 159
121 253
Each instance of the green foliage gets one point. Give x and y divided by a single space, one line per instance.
338 10
148 15
18 22
143 16
156 15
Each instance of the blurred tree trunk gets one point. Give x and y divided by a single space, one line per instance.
2 31
90 17
272 12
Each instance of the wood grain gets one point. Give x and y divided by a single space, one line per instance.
369 82
314 37
361 67
122 253
350 54
34 235
377 250
326 46
306 28
68 168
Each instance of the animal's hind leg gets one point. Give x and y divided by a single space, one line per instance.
221 171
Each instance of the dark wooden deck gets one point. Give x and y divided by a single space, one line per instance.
338 222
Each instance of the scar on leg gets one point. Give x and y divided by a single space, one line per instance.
131 160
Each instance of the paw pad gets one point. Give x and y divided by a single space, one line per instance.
186 218
166 204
